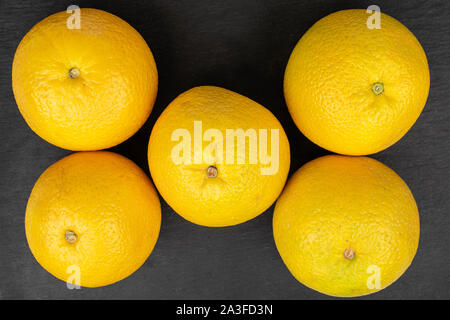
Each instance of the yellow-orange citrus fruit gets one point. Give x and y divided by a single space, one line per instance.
86 88
209 171
346 226
352 88
92 216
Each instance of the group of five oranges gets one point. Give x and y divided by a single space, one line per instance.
344 225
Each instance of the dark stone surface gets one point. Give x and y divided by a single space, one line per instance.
243 46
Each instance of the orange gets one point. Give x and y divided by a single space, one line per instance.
354 90
346 226
93 216
84 89
208 158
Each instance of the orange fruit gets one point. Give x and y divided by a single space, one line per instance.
346 226
220 179
95 215
355 90
84 89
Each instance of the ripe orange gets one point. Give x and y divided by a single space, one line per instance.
95 213
346 226
218 183
84 89
355 90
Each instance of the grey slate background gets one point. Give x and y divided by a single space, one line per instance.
243 46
